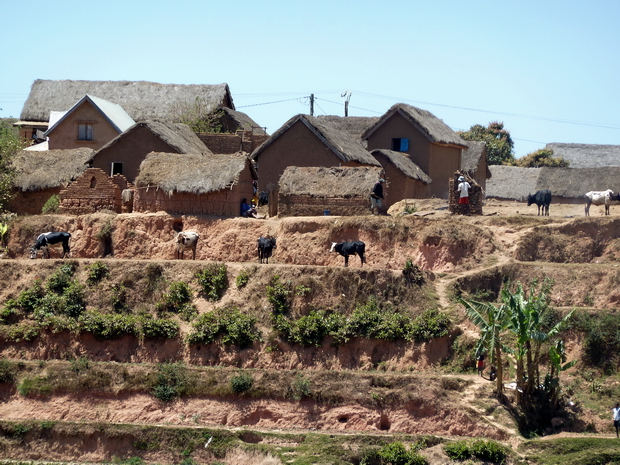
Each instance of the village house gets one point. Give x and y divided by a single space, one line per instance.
474 163
194 184
427 140
308 141
124 153
313 191
41 174
586 155
405 179
91 122
141 100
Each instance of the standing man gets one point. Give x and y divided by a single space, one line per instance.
463 189
616 416
376 197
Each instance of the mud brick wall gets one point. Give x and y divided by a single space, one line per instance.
231 143
305 205
475 198
122 183
31 202
92 191
226 202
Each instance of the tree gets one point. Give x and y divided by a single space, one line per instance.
541 157
10 144
498 142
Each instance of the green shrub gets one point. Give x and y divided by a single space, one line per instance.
213 281
395 453
228 324
96 272
172 381
62 277
488 451
7 371
159 327
457 450
300 387
80 365
278 294
413 273
428 325
241 382
178 296
312 328
24 331
29 300
242 279
35 386
104 326
51 205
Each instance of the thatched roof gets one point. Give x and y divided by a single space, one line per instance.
178 136
141 100
112 112
511 182
319 181
346 147
243 121
193 173
428 124
353 125
38 170
473 155
587 155
403 163
575 182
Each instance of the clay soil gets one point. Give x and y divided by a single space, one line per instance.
458 254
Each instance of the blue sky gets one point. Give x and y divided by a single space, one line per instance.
548 69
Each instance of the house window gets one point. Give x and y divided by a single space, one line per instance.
400 144
85 131
93 182
116 168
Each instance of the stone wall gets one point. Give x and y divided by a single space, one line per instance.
305 205
91 192
475 197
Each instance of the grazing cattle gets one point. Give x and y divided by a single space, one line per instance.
265 248
186 240
601 198
349 248
50 238
542 199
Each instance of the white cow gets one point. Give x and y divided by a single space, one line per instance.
601 198
186 240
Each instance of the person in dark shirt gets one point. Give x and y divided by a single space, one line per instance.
376 197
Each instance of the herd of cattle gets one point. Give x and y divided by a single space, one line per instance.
542 199
188 240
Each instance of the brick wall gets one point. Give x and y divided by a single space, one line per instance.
226 202
92 191
231 143
31 202
305 205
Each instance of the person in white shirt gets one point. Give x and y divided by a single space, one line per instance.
463 189
616 416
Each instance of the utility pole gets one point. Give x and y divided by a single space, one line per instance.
311 104
347 96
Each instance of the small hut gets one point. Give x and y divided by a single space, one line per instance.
41 174
312 191
194 184
93 191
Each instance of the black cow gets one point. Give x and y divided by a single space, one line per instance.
265 248
542 199
349 248
50 238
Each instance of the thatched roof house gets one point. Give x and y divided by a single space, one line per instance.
405 179
587 155
41 174
194 183
124 153
429 142
142 100
511 182
308 141
432 127
310 191
567 185
38 170
238 121
474 162
355 126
